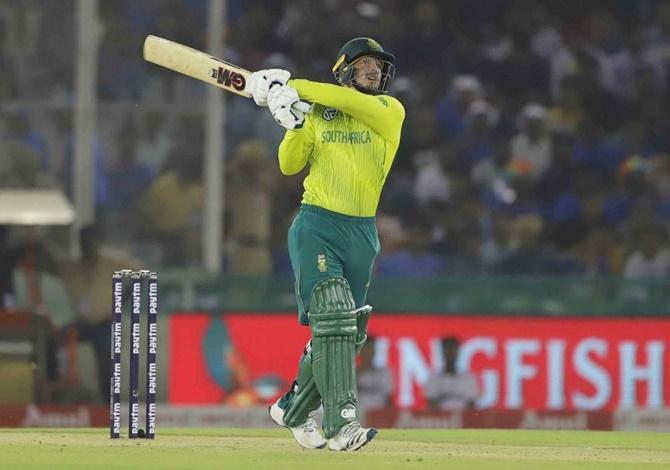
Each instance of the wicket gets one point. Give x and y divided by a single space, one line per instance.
135 281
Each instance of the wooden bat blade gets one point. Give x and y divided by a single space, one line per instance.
196 64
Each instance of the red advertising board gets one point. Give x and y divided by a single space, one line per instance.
519 362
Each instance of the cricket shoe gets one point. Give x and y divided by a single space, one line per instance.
351 437
307 434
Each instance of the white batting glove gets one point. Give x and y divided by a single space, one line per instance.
260 82
286 107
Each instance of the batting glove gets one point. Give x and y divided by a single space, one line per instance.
260 83
286 107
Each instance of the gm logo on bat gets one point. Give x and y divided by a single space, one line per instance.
229 78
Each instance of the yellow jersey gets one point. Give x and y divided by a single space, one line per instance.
349 141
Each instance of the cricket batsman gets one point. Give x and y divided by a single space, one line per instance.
347 135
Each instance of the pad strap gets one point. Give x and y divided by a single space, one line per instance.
304 398
362 317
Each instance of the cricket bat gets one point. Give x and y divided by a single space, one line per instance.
196 64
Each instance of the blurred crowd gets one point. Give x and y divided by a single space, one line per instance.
536 137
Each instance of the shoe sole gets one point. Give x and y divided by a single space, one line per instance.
287 427
368 437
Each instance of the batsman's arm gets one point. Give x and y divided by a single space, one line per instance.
295 149
384 114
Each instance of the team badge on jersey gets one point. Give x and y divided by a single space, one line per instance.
321 264
329 114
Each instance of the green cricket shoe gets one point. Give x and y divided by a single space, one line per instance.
307 434
352 436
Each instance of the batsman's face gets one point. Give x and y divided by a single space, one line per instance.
368 72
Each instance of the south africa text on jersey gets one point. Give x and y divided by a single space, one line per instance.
341 137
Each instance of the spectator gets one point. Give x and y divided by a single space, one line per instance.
120 74
458 232
532 146
606 108
431 183
416 257
607 96
594 152
39 290
155 141
656 40
529 255
659 180
564 223
249 200
452 109
476 144
25 172
171 207
64 121
22 164
87 280
450 389
522 75
129 177
609 49
19 129
600 254
563 63
650 257
566 115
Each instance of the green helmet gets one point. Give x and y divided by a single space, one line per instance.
354 50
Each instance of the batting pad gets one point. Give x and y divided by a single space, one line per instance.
332 318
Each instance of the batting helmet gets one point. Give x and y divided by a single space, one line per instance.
355 49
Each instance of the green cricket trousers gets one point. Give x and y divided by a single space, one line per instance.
324 244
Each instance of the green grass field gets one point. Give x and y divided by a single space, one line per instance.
269 448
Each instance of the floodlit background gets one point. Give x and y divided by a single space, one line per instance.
524 272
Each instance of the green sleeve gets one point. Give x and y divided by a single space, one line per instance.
295 148
384 114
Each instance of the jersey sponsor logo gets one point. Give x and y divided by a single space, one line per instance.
329 114
341 137
348 413
321 263
384 101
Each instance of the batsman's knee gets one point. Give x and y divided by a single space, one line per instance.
332 311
